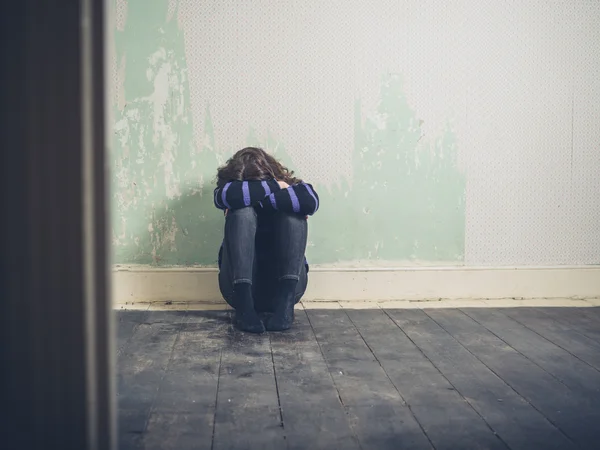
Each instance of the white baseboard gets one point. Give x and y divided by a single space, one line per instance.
149 284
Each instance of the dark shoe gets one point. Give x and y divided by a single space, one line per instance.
246 318
283 317
249 321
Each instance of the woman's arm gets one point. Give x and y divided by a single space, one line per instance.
241 194
299 199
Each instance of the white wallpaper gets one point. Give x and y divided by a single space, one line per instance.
519 81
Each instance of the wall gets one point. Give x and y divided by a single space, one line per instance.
436 133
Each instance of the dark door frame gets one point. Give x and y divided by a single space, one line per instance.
56 350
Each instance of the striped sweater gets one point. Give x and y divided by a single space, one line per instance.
268 196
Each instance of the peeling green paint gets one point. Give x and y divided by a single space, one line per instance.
405 201
162 208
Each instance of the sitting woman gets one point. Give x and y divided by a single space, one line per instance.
261 261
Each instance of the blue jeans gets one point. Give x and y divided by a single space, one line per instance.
261 249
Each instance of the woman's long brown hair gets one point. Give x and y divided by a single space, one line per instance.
252 163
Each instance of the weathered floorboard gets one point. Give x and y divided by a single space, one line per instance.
521 378
585 322
248 414
379 416
127 324
571 412
142 365
449 421
575 339
516 421
184 410
313 416
570 370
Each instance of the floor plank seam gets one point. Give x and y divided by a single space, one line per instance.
571 327
491 428
276 386
333 381
164 375
521 353
447 380
325 360
121 349
167 385
214 427
552 342
593 341
392 383
507 384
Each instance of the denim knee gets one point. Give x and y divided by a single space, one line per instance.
294 220
247 213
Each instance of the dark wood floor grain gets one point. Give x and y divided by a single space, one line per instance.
519 378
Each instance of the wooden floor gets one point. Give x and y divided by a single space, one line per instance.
522 378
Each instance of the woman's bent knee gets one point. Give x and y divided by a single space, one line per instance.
294 219
248 212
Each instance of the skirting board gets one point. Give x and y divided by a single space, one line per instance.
149 284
